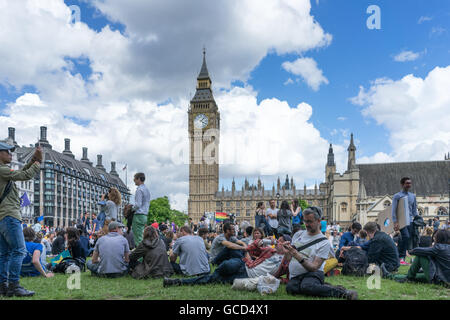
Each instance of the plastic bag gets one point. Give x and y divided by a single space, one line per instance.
267 284
248 284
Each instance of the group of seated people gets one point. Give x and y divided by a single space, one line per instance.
300 259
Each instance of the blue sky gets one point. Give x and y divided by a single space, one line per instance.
357 56
131 65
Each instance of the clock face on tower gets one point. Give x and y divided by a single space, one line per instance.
201 121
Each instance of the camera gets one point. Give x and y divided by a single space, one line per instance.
268 242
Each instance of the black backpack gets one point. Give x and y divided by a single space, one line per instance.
355 263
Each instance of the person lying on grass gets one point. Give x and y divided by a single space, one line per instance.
434 261
306 274
31 264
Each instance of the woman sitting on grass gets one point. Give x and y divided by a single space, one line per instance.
31 264
434 261
155 260
76 250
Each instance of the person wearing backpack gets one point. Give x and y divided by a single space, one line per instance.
309 250
380 249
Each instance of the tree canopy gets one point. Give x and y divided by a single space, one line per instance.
161 212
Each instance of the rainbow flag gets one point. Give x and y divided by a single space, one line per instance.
220 216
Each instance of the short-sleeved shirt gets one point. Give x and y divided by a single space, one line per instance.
323 225
192 253
217 245
285 219
268 266
112 248
272 222
28 268
322 250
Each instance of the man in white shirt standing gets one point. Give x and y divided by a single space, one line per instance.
271 216
141 206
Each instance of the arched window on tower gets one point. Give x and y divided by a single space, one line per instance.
344 207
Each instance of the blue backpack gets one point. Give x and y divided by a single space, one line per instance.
298 219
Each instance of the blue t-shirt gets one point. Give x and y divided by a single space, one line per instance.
97 225
323 225
28 268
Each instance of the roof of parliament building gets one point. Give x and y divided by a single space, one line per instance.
428 177
66 162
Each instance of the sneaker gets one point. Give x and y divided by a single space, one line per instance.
171 282
351 295
404 263
3 289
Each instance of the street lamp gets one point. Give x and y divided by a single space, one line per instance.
278 197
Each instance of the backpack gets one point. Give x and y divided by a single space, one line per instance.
355 263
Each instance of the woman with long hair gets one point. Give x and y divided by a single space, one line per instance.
297 210
284 217
260 217
112 204
155 262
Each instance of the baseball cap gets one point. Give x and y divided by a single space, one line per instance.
5 146
114 225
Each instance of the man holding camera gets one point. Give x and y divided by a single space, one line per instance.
12 242
310 249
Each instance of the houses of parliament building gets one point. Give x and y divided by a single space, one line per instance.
359 193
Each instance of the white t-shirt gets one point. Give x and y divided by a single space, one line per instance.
268 266
272 222
322 250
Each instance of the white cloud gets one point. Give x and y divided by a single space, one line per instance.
156 59
342 118
288 81
308 70
423 19
415 111
407 56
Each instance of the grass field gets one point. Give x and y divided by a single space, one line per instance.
92 288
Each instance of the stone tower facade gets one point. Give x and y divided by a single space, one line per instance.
204 134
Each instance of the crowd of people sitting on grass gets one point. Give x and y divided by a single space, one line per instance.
296 246
301 255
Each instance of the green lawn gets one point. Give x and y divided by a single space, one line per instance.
129 288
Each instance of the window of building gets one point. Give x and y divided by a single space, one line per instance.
247 213
344 207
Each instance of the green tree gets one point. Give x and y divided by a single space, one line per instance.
303 203
161 212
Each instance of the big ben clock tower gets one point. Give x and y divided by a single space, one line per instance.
204 129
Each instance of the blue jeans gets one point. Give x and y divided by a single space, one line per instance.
12 249
227 254
403 243
226 272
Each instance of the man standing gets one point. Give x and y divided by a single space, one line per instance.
271 216
141 206
407 231
436 223
12 243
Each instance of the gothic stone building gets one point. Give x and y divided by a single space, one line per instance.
359 193
66 188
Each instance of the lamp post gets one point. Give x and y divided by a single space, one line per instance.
278 197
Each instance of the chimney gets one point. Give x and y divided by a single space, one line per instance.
43 139
67 151
99 163
85 156
113 169
12 136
